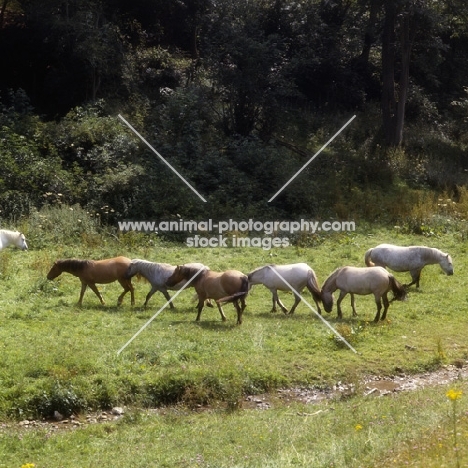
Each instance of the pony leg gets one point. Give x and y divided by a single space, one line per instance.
127 286
83 289
415 276
223 317
379 307
274 298
278 301
149 296
386 304
168 298
96 291
243 305
201 303
132 292
353 305
296 302
239 311
338 303
273 309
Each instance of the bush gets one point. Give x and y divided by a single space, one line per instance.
61 224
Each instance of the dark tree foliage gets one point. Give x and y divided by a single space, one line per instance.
237 95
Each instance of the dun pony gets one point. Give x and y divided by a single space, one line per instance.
229 286
367 280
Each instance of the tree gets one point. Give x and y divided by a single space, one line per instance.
393 102
248 67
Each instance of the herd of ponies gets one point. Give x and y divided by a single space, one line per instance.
232 286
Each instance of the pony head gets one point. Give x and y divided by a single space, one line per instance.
327 300
180 274
131 271
21 242
446 264
185 272
54 271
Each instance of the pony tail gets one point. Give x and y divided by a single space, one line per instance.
313 286
367 258
244 290
245 286
399 291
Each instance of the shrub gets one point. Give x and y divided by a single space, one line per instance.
61 224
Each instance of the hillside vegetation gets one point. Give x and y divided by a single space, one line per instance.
237 97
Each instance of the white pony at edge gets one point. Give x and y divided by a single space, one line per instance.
12 238
412 259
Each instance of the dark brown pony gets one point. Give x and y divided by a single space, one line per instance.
91 272
228 286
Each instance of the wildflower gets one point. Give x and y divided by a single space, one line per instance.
358 427
454 394
28 465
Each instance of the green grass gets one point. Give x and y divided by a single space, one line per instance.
57 356
409 429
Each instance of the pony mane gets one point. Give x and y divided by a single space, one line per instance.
150 269
432 254
192 271
262 268
331 278
73 265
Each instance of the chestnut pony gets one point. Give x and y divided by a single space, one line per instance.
228 286
91 272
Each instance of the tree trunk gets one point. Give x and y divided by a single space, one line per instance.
2 12
406 44
369 34
394 103
388 72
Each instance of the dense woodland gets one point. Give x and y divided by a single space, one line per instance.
237 95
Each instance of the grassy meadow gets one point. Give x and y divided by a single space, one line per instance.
183 384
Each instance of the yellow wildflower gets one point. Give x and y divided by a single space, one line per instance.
28 465
358 427
454 394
